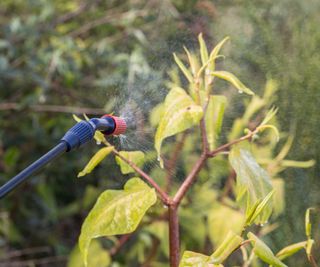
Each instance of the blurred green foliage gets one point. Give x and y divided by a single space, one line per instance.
99 54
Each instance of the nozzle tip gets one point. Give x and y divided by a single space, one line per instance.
120 125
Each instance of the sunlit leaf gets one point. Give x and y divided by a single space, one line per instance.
183 68
231 242
233 80
297 164
214 53
156 114
273 128
308 225
253 183
180 113
203 49
214 118
116 212
136 157
192 61
256 211
290 250
95 160
193 259
219 227
98 257
269 116
264 252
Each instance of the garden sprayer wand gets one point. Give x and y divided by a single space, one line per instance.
75 137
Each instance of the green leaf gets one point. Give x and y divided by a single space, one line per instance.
203 49
214 53
308 225
194 65
258 209
137 157
233 80
98 257
253 183
231 243
95 160
183 68
264 252
156 114
290 250
180 113
214 118
269 116
116 212
193 259
219 227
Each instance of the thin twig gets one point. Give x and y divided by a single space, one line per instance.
53 108
121 241
224 147
162 194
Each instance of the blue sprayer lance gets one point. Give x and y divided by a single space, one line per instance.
75 137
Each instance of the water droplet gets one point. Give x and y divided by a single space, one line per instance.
98 142
240 91
165 206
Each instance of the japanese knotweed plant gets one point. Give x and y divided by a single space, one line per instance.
225 192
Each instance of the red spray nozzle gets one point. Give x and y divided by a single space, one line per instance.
120 125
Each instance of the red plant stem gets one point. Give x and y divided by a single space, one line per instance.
163 195
224 147
174 239
190 179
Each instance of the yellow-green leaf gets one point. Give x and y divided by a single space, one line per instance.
214 118
180 113
308 223
256 211
214 53
98 257
194 65
219 227
183 68
233 80
136 157
231 243
290 250
95 160
193 259
264 252
253 183
116 212
156 114
203 50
